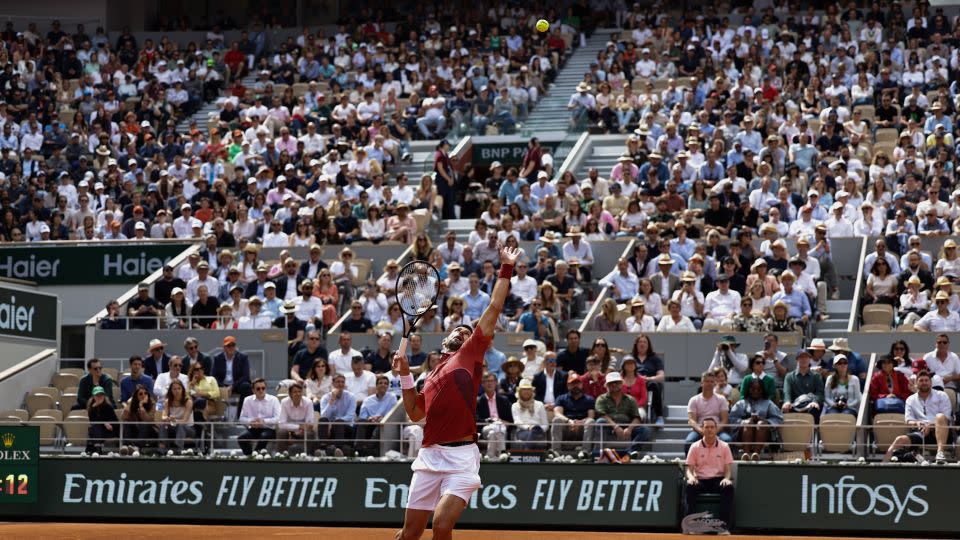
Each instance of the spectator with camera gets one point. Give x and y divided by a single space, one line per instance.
727 357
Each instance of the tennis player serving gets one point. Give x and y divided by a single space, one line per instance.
446 471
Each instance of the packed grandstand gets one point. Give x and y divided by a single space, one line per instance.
744 217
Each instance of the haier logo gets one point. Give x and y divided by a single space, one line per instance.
848 497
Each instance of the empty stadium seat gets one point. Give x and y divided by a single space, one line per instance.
56 414
114 373
878 314
76 371
886 428
75 429
870 328
49 390
64 380
35 402
797 431
22 414
48 429
837 432
886 135
81 413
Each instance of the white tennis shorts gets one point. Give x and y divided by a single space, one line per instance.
441 470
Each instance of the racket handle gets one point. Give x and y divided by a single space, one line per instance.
402 349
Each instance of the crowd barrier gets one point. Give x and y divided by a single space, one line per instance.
817 499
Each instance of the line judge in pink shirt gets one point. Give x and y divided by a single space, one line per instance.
709 468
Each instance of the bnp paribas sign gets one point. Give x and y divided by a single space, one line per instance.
105 263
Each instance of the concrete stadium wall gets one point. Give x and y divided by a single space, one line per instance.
33 366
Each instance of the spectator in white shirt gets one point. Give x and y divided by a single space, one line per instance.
203 278
162 383
944 362
341 359
451 250
360 382
928 412
523 285
309 307
260 412
721 303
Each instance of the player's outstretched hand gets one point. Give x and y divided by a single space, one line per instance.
508 255
400 364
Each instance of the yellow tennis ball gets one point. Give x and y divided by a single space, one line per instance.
543 25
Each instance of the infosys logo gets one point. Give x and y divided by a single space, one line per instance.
847 497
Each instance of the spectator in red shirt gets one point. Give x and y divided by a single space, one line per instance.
593 380
235 61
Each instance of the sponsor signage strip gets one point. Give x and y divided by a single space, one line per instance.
28 314
346 492
86 265
508 153
827 497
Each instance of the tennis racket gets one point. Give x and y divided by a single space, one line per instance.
418 287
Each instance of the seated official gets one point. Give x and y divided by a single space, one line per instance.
709 469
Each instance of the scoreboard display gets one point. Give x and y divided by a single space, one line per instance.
19 460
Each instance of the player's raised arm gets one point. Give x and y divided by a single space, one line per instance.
488 320
412 400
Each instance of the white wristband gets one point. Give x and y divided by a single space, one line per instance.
407 382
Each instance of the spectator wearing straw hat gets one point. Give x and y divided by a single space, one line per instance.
618 417
529 418
690 299
942 319
156 361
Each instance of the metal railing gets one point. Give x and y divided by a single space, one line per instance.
72 434
857 290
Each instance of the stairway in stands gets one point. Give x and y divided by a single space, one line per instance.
551 113
203 113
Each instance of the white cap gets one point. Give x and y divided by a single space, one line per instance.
186 206
44 228
281 178
288 167
140 226
196 223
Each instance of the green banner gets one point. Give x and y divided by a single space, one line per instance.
28 314
349 492
908 500
120 263
19 455
508 152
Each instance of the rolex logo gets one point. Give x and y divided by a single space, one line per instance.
8 439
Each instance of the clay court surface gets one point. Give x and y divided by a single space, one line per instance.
98 531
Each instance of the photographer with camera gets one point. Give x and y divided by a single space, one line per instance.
842 390
775 360
727 357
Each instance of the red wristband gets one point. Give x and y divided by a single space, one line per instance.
506 271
